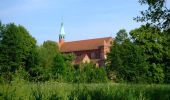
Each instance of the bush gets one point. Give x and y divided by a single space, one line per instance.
89 73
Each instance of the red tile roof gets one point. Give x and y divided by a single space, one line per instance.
84 44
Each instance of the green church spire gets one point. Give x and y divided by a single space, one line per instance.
62 32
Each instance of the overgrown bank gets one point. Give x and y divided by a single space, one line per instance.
64 91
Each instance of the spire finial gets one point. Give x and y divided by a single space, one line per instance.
62 21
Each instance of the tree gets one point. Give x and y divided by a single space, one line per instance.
166 58
15 48
51 45
157 13
150 40
121 36
47 52
44 55
28 48
139 59
126 60
59 65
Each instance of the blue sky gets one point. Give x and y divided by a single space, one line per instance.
83 19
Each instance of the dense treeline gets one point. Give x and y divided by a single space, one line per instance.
144 56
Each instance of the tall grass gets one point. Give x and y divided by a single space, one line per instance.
21 90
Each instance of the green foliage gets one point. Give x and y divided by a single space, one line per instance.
128 62
141 59
157 13
84 73
68 57
59 65
53 90
89 73
94 74
166 57
121 36
150 40
15 48
47 52
44 56
20 75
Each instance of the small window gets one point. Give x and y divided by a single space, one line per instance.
93 55
97 55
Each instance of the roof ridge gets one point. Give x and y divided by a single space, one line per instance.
89 39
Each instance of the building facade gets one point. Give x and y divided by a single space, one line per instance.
90 50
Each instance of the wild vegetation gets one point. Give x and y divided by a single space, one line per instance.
52 90
29 71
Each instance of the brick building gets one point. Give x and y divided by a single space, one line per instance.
90 50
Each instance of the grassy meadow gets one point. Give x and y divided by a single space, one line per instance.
22 90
